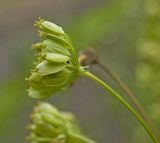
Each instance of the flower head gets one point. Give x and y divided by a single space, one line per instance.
56 64
51 126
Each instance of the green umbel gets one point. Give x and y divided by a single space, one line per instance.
51 126
56 63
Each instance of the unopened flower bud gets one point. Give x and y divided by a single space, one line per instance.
56 64
51 126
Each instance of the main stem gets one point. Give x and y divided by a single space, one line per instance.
124 87
125 103
128 92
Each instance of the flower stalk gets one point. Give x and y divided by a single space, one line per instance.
125 103
90 57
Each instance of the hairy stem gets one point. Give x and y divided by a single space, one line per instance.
125 103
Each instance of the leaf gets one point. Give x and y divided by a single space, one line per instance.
46 68
58 58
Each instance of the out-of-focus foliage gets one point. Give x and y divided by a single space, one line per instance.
93 26
7 109
103 23
148 71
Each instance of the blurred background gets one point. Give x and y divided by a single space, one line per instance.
125 34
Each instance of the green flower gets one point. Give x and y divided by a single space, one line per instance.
51 126
56 64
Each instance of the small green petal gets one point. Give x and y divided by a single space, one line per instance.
60 40
49 130
46 68
54 47
51 27
47 108
36 82
58 58
38 94
56 79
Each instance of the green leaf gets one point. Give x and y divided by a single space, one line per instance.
46 68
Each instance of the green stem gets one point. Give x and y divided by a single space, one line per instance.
129 93
124 87
79 138
125 103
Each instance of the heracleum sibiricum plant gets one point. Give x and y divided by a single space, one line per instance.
57 66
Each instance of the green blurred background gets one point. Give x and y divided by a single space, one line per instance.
126 35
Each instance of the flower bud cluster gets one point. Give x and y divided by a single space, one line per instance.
56 64
52 126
